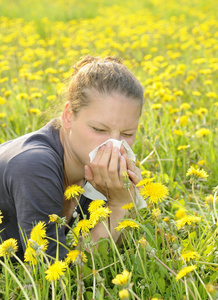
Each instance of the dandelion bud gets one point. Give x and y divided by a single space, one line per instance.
126 181
124 294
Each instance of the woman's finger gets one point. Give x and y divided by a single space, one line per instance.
123 166
135 178
113 170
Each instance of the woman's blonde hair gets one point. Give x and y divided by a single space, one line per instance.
107 76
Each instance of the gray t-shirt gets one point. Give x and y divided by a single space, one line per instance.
32 186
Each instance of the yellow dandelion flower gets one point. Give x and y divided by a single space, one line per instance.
183 121
155 191
126 224
185 106
156 106
53 218
187 220
128 206
38 247
143 242
8 247
156 213
197 173
144 181
196 93
73 255
7 94
209 200
181 213
185 271
183 147
55 271
211 95
95 205
99 215
202 132
146 173
171 237
2 115
73 191
122 279
201 162
178 132
36 95
22 96
178 93
38 239
166 219
188 255
30 255
207 82
202 111
38 233
84 226
210 288
2 100
35 111
124 294
1 217
51 97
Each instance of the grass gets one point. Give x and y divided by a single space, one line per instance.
172 49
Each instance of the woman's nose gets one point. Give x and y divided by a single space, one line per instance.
116 136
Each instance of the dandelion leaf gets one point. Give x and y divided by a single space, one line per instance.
161 284
103 250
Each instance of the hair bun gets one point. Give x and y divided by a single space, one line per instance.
88 59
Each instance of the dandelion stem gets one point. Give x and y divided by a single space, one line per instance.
206 263
140 258
15 278
64 288
131 291
52 283
94 274
79 286
108 293
203 285
28 273
186 289
196 290
114 245
196 200
214 206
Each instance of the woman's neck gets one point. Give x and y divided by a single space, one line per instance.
73 170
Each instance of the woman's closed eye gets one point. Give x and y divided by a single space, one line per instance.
127 134
98 129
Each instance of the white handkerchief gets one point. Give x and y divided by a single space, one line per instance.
116 143
91 193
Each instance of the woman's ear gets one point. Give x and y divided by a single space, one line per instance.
67 115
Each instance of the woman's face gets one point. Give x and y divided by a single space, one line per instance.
105 117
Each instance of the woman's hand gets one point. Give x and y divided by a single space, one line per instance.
105 173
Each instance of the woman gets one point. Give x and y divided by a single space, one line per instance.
104 101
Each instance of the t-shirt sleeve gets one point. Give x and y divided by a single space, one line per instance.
35 185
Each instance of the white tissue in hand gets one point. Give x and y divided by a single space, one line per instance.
115 143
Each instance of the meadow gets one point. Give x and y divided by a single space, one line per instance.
170 249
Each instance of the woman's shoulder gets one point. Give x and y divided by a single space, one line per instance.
37 150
